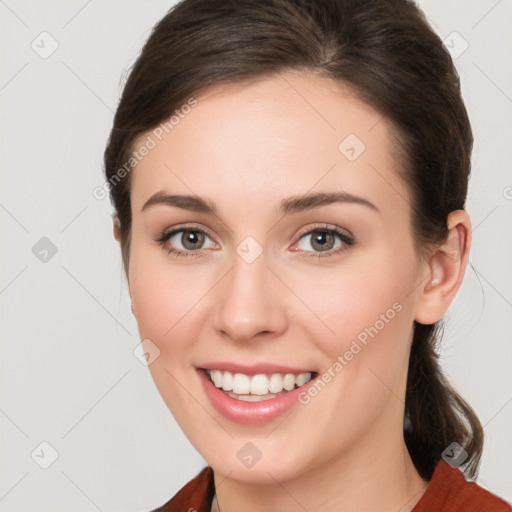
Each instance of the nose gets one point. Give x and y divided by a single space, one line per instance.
250 302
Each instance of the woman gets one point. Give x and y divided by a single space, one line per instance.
289 180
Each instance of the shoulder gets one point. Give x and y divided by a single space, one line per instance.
194 496
449 491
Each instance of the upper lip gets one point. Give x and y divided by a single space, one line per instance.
253 369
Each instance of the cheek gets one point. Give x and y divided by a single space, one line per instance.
163 297
368 311
153 303
162 292
163 300
359 302
365 365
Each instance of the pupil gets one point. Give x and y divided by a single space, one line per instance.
322 240
192 239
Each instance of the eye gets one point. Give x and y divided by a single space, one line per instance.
185 241
325 241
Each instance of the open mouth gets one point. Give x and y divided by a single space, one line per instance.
259 387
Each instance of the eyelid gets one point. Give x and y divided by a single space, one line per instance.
187 227
327 227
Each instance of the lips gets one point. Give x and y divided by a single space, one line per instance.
253 394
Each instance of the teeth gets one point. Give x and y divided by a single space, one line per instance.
276 383
241 384
289 382
216 376
257 385
227 381
301 379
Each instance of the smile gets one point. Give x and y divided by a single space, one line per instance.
258 387
254 395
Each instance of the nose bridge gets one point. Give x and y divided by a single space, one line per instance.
248 302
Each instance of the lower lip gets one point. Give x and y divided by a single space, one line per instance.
250 413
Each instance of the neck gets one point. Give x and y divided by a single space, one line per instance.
382 479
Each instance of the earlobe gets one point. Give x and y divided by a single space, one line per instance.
444 270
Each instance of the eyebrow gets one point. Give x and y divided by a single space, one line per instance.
287 206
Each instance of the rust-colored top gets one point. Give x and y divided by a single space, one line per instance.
448 491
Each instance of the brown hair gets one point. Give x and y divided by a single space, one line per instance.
384 51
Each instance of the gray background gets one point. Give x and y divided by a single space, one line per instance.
69 375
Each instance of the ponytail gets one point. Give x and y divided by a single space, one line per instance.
435 414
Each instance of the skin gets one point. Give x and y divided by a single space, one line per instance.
247 147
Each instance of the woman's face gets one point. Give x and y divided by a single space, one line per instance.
265 285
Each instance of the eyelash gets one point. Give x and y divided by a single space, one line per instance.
347 240
166 235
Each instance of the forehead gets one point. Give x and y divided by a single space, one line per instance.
255 142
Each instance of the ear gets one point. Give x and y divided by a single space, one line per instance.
445 270
117 227
117 236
